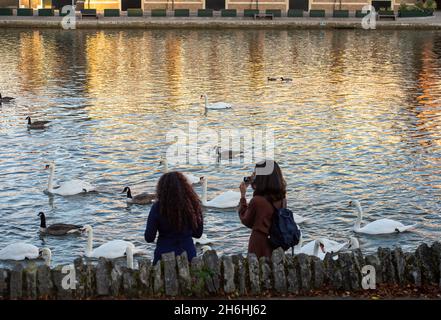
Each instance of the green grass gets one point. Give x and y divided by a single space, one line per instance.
25 12
132 12
295 13
228 13
205 12
111 12
317 13
159 13
6 12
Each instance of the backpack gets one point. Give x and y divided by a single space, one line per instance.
284 231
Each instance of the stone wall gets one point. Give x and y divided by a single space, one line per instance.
233 276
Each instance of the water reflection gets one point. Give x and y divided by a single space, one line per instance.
360 120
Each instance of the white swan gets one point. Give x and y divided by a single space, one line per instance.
67 188
216 105
228 199
203 240
299 219
326 245
110 250
21 251
191 178
381 226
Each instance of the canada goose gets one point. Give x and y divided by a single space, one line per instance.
36 124
5 99
216 105
67 188
381 226
271 79
226 154
285 79
110 250
22 251
142 198
228 199
58 229
191 178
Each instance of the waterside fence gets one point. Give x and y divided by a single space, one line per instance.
228 276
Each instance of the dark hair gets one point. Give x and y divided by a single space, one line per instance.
271 186
178 202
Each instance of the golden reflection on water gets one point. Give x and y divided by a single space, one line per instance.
361 119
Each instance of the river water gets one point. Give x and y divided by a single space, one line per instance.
360 120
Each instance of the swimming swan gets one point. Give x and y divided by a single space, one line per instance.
110 250
216 105
142 198
58 229
381 226
326 245
191 178
67 188
21 251
228 199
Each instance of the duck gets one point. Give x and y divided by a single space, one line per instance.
271 79
381 226
284 79
226 154
228 199
216 105
58 229
142 198
25 251
327 245
36 124
110 250
67 188
191 178
5 99
203 240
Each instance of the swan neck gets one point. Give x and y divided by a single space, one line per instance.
129 254
316 248
89 247
204 191
50 184
359 216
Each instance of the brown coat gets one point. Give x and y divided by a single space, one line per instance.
257 215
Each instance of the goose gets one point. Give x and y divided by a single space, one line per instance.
36 124
142 198
203 240
58 229
25 251
226 154
110 250
216 105
327 245
271 79
191 178
228 199
381 226
5 99
67 188
285 79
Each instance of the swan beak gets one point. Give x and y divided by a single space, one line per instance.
322 247
46 167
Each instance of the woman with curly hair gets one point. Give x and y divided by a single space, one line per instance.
176 216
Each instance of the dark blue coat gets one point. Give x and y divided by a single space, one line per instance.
169 239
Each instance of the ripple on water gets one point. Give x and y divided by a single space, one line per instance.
360 121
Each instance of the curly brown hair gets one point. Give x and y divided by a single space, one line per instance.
178 202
